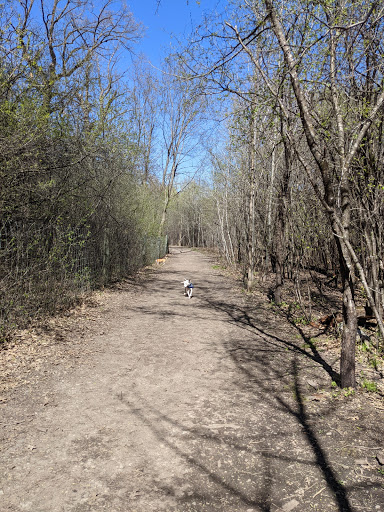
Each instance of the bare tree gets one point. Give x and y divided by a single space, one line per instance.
347 144
144 116
330 55
71 36
182 106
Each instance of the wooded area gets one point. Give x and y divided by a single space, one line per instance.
79 207
298 184
93 156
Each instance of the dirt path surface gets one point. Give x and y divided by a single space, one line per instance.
168 404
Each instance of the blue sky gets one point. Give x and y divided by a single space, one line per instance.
165 23
165 20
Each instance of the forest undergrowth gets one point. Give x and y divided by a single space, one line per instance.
313 305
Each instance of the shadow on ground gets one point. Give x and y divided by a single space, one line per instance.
269 366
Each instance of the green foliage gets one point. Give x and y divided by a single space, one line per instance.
348 392
75 209
339 393
369 385
300 320
374 362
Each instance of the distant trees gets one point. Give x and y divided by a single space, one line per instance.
181 109
144 110
191 215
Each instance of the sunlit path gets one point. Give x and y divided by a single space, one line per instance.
188 405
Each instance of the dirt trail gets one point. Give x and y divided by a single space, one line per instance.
188 405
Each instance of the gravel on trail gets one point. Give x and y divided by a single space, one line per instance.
166 403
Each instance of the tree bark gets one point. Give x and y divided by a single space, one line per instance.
280 236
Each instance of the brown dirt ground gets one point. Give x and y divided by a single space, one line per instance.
147 401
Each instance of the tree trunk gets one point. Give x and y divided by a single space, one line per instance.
348 344
167 198
250 270
269 212
280 245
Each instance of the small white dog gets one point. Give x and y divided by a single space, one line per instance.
188 288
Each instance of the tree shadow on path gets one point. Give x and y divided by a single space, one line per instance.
161 425
241 318
253 361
